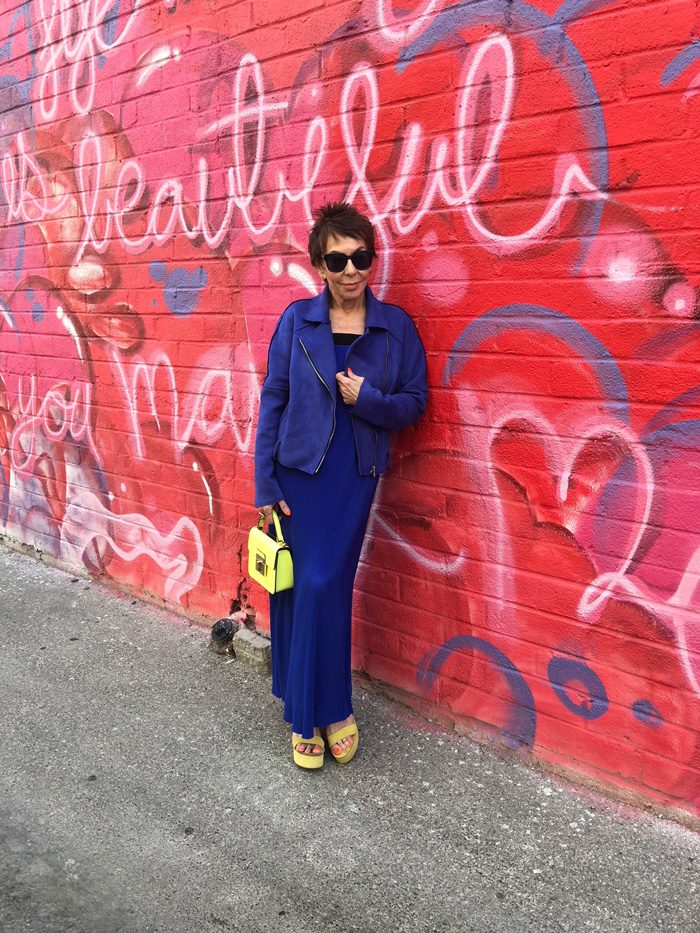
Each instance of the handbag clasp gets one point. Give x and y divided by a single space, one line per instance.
260 563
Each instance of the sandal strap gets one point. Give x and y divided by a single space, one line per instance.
314 740
345 732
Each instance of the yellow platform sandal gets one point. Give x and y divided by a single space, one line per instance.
350 731
308 761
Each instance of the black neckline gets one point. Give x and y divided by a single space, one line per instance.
340 339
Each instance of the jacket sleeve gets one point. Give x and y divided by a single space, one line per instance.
398 409
273 401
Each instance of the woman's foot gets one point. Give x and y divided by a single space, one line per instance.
343 746
306 749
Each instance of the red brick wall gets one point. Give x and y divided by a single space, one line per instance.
533 561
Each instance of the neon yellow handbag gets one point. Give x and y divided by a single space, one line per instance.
269 561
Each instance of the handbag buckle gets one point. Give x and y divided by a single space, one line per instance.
260 563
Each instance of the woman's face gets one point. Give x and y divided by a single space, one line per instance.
350 284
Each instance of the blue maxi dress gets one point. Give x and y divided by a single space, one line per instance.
311 623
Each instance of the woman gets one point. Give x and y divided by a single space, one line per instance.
343 370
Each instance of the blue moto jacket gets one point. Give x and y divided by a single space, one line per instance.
297 405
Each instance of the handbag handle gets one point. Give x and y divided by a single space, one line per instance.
278 527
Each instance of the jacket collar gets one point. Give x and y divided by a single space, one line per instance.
317 310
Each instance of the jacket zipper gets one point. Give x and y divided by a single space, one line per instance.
354 436
323 457
386 365
384 388
373 471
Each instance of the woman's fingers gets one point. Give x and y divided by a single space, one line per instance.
349 386
267 510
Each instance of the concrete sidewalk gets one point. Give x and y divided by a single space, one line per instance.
147 785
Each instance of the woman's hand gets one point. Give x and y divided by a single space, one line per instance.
281 506
349 386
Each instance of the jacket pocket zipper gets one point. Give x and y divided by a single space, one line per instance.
323 456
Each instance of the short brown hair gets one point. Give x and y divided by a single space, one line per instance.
338 219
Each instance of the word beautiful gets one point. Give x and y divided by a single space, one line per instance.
170 211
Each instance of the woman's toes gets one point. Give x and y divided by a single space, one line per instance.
304 748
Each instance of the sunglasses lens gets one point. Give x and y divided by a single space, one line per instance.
336 262
361 260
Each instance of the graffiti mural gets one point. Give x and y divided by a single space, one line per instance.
533 563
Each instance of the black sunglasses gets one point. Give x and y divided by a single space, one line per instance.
361 260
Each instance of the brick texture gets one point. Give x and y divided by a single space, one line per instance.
533 562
